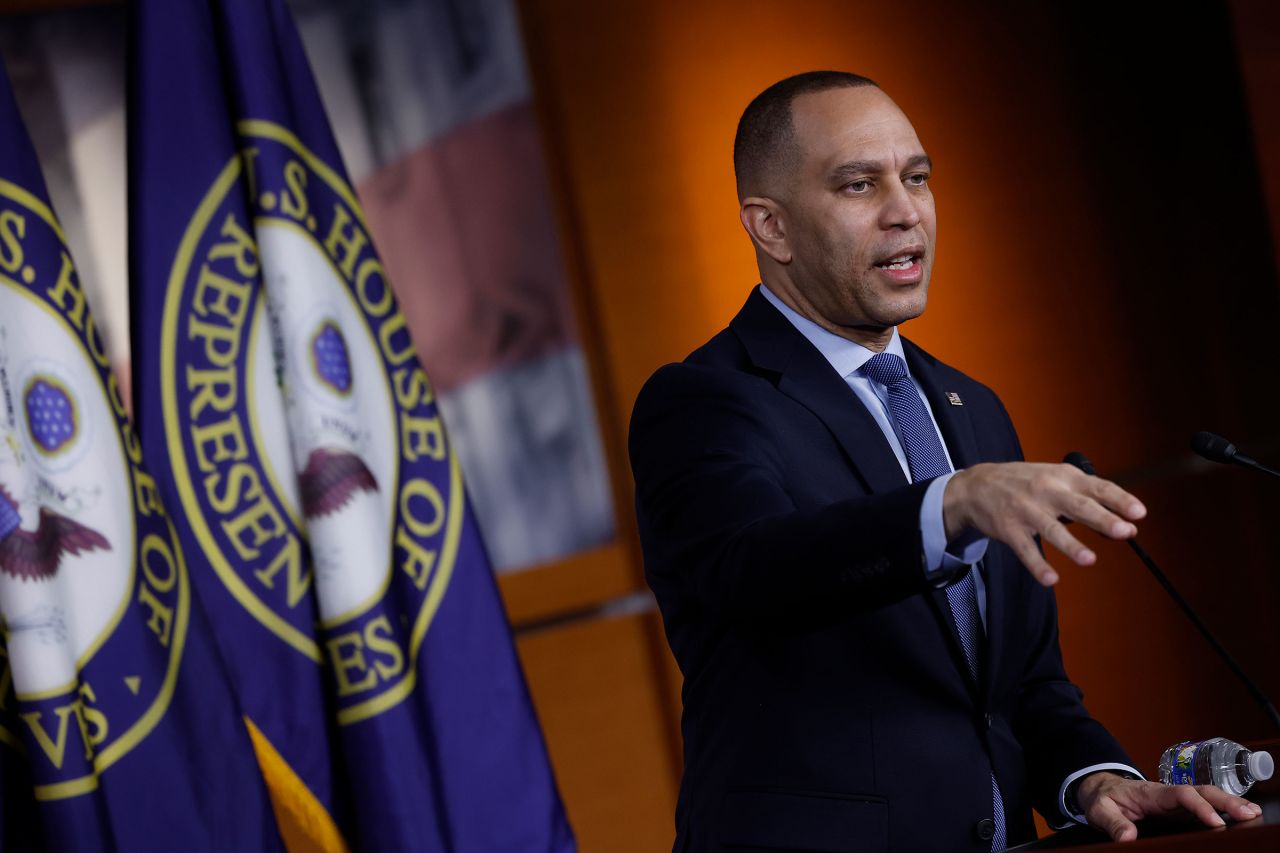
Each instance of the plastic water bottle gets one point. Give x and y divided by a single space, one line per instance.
1216 761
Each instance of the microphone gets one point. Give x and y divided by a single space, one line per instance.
1079 460
1215 448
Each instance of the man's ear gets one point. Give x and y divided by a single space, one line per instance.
763 219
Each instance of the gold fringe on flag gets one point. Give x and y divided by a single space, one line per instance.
305 825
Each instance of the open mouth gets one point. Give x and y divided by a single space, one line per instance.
900 262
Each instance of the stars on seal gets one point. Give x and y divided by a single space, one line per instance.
330 359
51 414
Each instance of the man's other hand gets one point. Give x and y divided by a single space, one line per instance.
1016 501
1112 803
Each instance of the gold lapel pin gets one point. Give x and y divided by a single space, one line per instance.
954 399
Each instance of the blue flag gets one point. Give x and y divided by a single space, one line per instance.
117 724
353 598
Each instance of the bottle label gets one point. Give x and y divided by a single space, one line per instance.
1183 771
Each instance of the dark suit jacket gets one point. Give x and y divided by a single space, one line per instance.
827 704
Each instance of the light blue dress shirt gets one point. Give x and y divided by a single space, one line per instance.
969 547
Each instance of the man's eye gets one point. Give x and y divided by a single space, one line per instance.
917 180
857 186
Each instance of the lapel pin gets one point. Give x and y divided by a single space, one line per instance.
954 399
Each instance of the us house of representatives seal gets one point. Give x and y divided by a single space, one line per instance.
94 594
310 458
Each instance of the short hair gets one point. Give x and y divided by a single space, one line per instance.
766 134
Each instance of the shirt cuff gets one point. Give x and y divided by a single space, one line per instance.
940 556
1080 774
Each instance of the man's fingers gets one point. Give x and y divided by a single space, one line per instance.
1015 501
1088 511
1116 499
1106 815
1238 807
1113 804
1056 534
1194 802
1025 547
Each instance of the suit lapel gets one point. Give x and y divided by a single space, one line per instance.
953 420
808 378
956 424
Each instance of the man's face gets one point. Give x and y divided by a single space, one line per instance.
857 211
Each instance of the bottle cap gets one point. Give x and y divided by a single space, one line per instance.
1261 765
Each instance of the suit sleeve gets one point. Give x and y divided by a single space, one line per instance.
716 520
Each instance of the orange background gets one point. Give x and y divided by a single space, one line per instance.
1105 264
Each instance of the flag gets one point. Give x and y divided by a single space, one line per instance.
354 602
117 725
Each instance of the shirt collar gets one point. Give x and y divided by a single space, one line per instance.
843 354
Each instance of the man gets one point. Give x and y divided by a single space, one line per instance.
842 536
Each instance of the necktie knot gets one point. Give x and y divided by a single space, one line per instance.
886 368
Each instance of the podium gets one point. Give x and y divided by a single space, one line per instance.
1155 836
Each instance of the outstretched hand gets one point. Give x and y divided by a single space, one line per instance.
1016 501
1112 803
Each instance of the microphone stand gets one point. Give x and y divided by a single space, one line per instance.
1079 461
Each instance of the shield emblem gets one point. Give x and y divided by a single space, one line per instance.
329 357
51 414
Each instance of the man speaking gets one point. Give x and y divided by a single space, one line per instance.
842 535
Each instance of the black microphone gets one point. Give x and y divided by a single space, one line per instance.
1080 461
1215 448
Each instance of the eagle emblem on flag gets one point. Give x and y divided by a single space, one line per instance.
36 554
330 479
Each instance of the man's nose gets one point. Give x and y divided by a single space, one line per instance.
901 209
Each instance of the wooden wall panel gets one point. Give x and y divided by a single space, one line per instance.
603 709
575 583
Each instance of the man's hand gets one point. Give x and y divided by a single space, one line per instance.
1112 803
1015 501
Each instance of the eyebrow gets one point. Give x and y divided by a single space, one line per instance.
867 167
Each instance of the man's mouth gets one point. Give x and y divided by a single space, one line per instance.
905 266
900 262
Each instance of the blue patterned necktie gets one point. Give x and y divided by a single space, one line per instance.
927 460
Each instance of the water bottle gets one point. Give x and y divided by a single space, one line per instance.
1216 761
